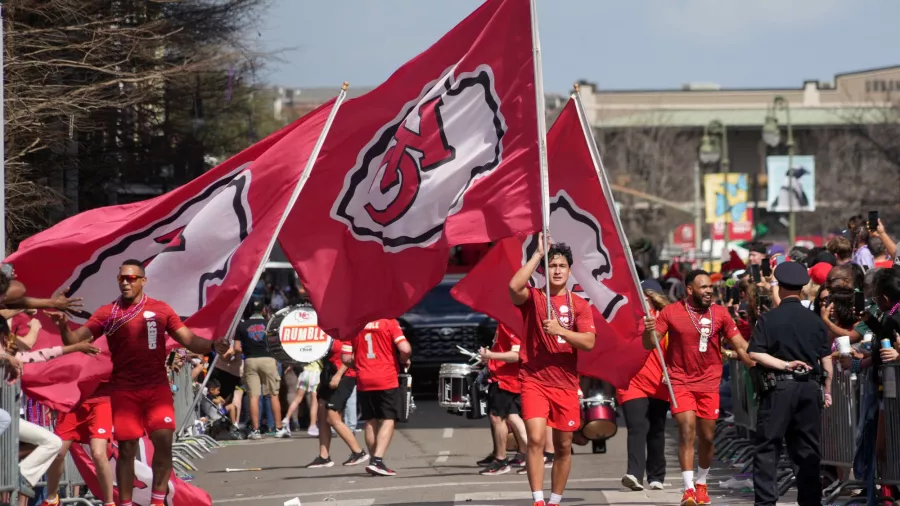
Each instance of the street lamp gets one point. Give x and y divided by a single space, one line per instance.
771 134
713 149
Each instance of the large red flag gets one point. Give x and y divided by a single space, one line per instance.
581 217
445 152
180 493
201 243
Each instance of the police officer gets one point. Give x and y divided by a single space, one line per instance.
791 347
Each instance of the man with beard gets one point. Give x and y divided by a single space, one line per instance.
548 373
695 329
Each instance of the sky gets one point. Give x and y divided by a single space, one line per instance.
617 44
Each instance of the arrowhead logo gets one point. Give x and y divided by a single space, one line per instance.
415 171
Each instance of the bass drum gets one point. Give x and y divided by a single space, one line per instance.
293 336
598 413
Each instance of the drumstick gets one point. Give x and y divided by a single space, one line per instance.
230 470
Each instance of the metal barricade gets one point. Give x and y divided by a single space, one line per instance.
890 375
183 393
9 441
838 438
739 400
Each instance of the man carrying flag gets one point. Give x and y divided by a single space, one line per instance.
549 373
139 387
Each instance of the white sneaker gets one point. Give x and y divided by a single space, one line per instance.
632 483
655 485
283 432
313 431
254 435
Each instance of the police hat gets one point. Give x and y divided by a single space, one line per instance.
792 275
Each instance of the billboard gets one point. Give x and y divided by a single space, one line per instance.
726 197
797 185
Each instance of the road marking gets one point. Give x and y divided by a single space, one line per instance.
444 456
481 483
345 502
468 499
448 433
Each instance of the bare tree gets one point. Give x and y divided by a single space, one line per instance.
95 91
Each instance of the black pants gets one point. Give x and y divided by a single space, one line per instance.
646 422
791 413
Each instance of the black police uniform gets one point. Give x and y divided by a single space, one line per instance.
791 410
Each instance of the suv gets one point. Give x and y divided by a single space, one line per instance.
436 326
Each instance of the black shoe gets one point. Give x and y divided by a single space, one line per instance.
486 461
548 460
25 488
517 461
497 467
320 462
356 458
379 469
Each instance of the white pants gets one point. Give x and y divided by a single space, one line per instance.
5 420
48 444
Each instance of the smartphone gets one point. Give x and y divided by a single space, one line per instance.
766 267
755 273
171 359
735 294
779 260
859 302
873 220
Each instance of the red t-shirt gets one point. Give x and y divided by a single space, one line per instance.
690 368
546 360
138 348
339 348
648 382
506 374
376 363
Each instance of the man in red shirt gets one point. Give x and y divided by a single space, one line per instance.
336 384
548 372
378 384
135 326
504 397
695 328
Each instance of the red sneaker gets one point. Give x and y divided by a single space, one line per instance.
689 498
48 503
539 503
703 494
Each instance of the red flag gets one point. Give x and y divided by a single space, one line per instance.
201 243
445 152
180 493
580 216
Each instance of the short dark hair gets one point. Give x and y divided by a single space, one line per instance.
256 306
561 249
798 254
876 246
5 281
213 383
694 274
887 283
136 263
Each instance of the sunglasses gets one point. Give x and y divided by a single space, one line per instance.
131 278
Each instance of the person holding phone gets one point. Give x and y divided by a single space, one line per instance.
790 344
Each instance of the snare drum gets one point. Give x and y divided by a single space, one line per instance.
453 386
598 418
294 337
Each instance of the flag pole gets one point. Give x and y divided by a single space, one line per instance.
542 147
304 176
610 200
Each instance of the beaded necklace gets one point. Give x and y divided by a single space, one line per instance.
571 321
696 322
117 317
894 309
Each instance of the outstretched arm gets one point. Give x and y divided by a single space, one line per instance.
68 335
186 337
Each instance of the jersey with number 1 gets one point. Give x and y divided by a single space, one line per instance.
377 367
138 348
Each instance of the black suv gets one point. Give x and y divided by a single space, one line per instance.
436 326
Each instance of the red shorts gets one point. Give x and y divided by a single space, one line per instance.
138 411
91 420
560 407
705 404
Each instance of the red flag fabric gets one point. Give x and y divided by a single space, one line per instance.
180 493
580 216
201 244
445 152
